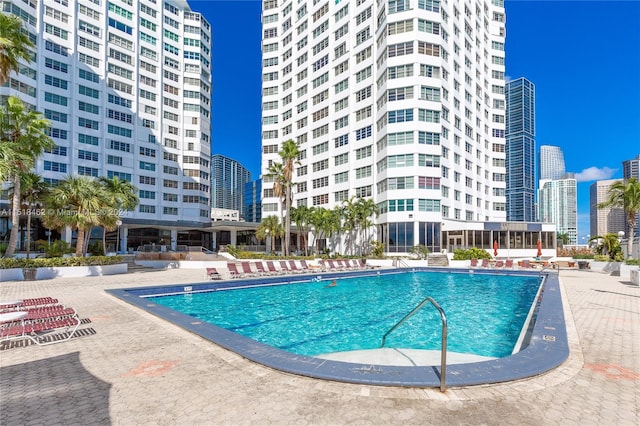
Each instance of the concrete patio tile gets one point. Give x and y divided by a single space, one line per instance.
136 369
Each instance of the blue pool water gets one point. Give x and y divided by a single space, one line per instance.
485 313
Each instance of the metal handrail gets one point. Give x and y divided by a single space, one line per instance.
443 350
401 263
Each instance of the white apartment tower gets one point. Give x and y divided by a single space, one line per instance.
401 101
126 85
604 220
558 204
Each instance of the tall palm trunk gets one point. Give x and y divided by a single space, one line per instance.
15 217
287 229
80 241
28 234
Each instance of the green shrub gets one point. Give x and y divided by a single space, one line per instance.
584 256
632 262
471 253
421 251
51 262
377 248
57 248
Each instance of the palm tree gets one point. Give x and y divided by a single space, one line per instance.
23 138
77 202
289 154
349 213
14 45
122 195
301 216
34 190
625 195
608 244
325 223
276 172
270 227
366 209
563 238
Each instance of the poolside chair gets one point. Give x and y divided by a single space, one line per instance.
27 303
233 270
526 264
474 263
294 268
499 264
304 266
364 265
508 263
272 268
284 267
485 263
213 274
261 269
34 323
346 263
247 271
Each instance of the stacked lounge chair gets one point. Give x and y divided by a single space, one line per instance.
33 318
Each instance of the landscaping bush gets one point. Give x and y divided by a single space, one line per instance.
57 248
52 262
421 251
471 253
586 253
377 248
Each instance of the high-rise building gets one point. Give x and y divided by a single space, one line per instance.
551 164
252 201
604 220
521 150
631 169
398 101
558 204
228 181
126 87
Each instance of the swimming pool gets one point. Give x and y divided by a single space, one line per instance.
547 345
485 313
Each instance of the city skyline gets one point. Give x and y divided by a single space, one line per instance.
564 115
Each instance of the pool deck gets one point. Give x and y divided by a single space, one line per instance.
130 367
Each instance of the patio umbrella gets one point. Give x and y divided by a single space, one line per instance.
495 248
539 248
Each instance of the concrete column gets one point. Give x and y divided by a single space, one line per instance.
66 234
234 237
174 239
124 232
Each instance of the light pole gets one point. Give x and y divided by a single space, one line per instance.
620 237
118 224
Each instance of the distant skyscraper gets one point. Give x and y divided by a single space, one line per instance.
521 150
551 165
228 178
252 201
631 169
604 221
558 204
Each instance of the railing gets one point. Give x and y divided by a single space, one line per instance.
443 350
400 263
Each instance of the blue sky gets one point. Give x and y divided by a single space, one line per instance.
583 57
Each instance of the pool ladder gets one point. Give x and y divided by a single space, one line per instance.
443 350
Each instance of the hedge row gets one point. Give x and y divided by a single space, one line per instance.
49 262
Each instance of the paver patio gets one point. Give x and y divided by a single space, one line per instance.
129 367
